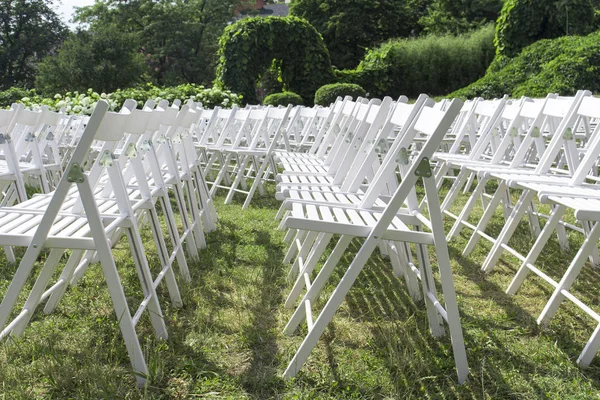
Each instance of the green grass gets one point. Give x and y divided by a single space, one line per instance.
227 341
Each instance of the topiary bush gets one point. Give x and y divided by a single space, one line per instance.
563 65
523 22
283 99
247 49
328 93
434 65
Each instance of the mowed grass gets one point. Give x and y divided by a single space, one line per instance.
227 341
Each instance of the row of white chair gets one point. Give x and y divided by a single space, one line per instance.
546 147
123 169
349 187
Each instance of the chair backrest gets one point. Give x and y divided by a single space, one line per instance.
430 123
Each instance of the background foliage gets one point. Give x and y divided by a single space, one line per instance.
561 65
523 22
327 94
248 47
84 102
435 65
178 39
29 30
349 27
283 99
459 16
103 58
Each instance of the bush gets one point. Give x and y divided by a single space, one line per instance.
83 103
523 22
283 99
12 95
328 93
562 65
435 65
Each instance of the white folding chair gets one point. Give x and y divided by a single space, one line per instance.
375 225
47 222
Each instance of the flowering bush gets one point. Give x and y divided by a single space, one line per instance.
84 103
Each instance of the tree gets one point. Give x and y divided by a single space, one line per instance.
179 39
102 58
459 16
349 27
29 30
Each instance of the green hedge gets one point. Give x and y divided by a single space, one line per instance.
522 22
434 65
83 103
562 65
328 93
283 99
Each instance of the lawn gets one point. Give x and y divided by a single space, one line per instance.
227 341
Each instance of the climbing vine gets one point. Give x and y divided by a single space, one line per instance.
248 47
523 22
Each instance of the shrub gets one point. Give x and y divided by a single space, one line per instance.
12 95
83 103
328 93
563 65
434 65
247 49
522 22
283 99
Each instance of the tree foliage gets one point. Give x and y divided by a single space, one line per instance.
523 22
102 58
29 30
459 16
349 27
248 47
179 39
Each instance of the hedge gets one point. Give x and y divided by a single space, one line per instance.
283 99
563 65
435 65
327 94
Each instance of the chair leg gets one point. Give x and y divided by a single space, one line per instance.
163 254
322 277
485 219
35 295
309 265
306 247
10 254
570 276
454 191
591 349
508 230
336 298
66 275
447 282
466 211
535 251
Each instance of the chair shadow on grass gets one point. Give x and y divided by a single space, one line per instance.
411 354
261 377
